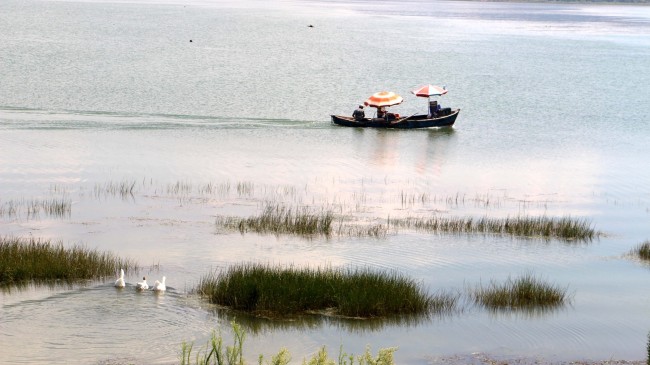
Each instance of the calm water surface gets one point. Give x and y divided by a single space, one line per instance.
554 122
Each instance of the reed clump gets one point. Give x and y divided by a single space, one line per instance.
124 189
279 291
647 346
642 251
215 353
524 292
40 260
564 228
279 219
52 207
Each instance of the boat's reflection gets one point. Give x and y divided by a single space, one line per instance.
425 150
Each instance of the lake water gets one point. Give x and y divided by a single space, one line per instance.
212 108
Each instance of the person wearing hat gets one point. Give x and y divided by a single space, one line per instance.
359 114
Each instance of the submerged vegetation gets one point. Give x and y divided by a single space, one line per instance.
278 291
214 353
563 228
642 251
525 292
40 260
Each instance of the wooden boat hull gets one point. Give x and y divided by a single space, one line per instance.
414 121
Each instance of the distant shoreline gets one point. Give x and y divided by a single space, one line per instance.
584 2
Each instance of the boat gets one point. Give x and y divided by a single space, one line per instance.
437 117
446 117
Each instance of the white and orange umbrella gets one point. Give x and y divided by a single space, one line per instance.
429 90
383 98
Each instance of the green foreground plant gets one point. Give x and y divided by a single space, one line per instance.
40 260
215 354
278 291
525 292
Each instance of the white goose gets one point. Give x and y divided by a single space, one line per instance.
143 284
119 283
158 286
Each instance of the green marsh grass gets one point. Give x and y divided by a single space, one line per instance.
215 353
40 260
563 228
277 291
524 292
124 189
278 219
361 230
647 347
642 251
60 207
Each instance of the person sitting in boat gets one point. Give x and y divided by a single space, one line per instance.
381 112
359 114
434 108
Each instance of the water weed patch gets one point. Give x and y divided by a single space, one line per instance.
280 291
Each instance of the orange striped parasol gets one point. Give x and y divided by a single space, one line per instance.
383 98
429 90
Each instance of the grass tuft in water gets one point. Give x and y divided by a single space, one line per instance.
642 251
525 292
124 189
564 228
52 207
648 349
39 260
214 353
278 291
279 219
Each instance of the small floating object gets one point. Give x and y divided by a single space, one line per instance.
310 26
143 284
158 286
119 283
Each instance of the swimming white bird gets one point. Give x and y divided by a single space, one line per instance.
119 283
158 286
143 284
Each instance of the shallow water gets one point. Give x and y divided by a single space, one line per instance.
554 122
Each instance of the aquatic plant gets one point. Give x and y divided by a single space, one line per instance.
648 349
564 228
124 189
40 260
524 292
32 208
213 354
278 219
642 251
279 291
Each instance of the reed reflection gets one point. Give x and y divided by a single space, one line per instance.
261 325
